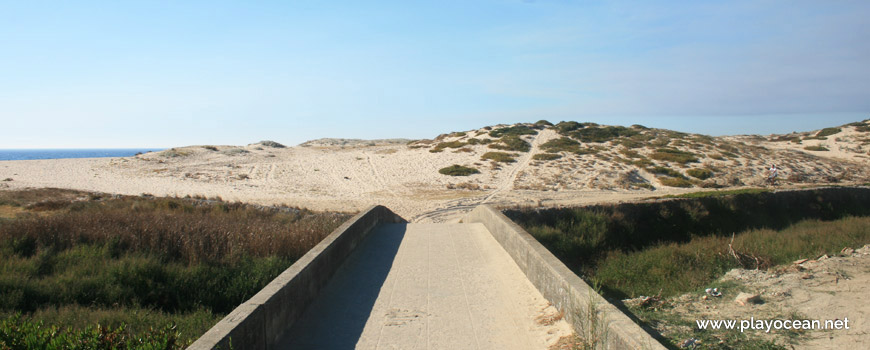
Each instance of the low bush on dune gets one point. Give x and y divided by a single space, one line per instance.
602 134
517 130
272 144
700 173
675 182
174 153
562 144
234 151
674 155
828 132
816 148
142 262
511 143
546 156
542 124
458 170
660 170
500 157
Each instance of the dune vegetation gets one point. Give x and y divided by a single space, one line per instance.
142 271
676 246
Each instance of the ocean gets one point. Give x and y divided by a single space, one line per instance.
28 154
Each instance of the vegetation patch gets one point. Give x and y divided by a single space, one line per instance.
700 173
675 182
676 268
174 153
234 151
500 157
512 143
608 243
138 263
21 333
562 144
602 134
660 170
458 170
828 132
272 144
818 148
674 155
542 124
564 128
706 194
546 156
517 130
442 145
475 141
630 143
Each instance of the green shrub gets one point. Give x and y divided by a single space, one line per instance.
546 156
602 134
458 170
272 144
629 143
675 182
674 155
474 141
210 148
700 173
862 128
543 123
630 153
632 229
18 333
660 170
675 268
175 257
828 132
590 150
499 157
512 143
516 130
450 144
818 148
563 144
564 128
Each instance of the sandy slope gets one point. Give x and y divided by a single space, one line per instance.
350 176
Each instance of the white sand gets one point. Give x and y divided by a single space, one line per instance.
405 179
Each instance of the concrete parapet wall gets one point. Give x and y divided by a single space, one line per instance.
581 305
259 322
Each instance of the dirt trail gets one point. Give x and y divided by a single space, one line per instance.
452 210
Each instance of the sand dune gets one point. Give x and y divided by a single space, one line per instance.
351 174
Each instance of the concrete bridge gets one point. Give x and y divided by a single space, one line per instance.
378 282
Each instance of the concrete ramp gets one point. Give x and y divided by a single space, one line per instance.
378 282
427 286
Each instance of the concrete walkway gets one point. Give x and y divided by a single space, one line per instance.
427 286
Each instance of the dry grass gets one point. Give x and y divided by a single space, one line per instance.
180 230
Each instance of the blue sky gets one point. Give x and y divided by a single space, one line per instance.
172 73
